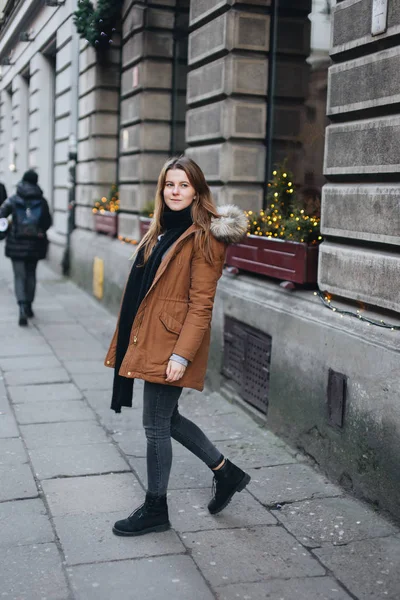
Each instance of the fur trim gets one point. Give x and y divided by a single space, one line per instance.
231 226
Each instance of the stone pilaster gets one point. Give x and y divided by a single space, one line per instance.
65 125
148 75
41 120
6 139
227 92
98 121
20 120
361 202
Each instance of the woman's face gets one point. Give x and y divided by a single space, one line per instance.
178 191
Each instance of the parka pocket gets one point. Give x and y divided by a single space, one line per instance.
170 323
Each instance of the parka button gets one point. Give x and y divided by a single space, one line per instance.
129 373
135 340
108 362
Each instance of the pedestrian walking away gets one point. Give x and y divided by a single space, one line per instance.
163 333
26 240
3 193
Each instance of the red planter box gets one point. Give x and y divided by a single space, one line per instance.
107 223
288 261
144 224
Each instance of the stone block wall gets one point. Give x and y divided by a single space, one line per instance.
65 109
360 258
227 92
149 74
98 129
227 85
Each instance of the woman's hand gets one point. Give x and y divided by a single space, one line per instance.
175 371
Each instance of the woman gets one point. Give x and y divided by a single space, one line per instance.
26 241
163 333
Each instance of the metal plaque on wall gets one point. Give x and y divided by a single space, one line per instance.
379 16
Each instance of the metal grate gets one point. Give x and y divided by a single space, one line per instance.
337 387
234 350
247 359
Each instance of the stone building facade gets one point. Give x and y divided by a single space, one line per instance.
184 76
39 101
194 79
193 76
334 387
360 258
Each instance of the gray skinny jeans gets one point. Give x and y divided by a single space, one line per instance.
161 421
24 280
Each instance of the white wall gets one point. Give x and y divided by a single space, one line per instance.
320 29
6 158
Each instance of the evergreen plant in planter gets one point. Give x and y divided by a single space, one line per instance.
105 213
98 25
282 240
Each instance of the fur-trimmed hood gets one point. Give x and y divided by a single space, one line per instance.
231 225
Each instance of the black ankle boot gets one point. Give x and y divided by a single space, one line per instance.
151 516
228 480
29 312
23 318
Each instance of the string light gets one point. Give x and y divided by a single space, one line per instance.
284 218
326 301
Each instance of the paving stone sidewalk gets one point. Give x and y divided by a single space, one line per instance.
69 467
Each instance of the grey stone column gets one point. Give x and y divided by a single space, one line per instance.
227 89
65 114
62 127
41 121
147 80
98 129
360 258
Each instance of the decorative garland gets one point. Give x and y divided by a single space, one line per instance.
97 26
326 301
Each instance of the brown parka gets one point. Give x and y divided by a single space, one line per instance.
175 315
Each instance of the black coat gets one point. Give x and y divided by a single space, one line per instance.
26 249
3 193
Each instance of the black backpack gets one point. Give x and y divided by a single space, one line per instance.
26 219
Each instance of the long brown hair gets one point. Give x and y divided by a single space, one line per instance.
203 207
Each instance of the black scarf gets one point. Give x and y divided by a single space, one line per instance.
141 277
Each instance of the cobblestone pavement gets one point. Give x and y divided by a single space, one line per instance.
69 467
